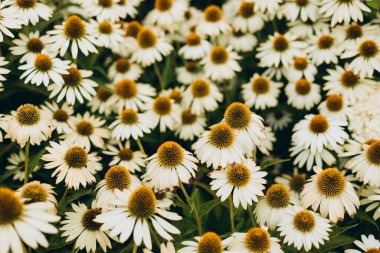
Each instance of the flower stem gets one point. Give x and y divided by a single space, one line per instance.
26 164
231 214
135 248
254 224
63 198
159 76
192 204
140 146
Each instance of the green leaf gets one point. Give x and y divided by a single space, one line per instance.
34 160
206 207
374 4
336 242
267 164
361 215
340 230
168 73
196 196
5 175
76 195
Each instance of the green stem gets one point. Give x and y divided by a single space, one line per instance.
192 204
135 248
254 224
159 76
231 214
141 147
275 25
360 189
63 198
26 164
254 157
154 236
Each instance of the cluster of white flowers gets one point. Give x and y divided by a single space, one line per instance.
128 105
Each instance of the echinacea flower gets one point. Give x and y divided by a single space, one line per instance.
60 115
367 244
208 242
212 22
190 125
30 11
29 45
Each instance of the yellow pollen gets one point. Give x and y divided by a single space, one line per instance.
210 243
349 79
170 154
280 43
85 128
304 221
129 116
334 103
303 87
238 175
257 240
373 153
74 27
88 219
146 38
163 5
277 196
122 65
142 202
368 49
73 78
331 182
35 45
300 63
43 62
133 28
162 105
219 55
105 27
237 115
221 136
34 192
60 115
76 157
126 88
193 39
11 206
325 42
213 13
246 9
188 117
117 177
318 124
103 94
200 88
28 115
260 85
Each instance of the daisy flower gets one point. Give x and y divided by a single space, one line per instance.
16 163
86 130
366 164
100 103
267 143
135 214
271 209
73 164
3 71
124 156
221 64
73 31
190 125
170 166
107 34
247 20
261 92
269 7
189 73
28 46
44 68
8 20
329 190
166 13
367 244
306 156
195 47
208 242
150 48
238 41
24 223
168 248
129 8
256 239
108 10
117 180
176 94
36 191
131 95
334 107
201 96
129 124
367 56
303 94
163 112
279 119
247 126
303 228
345 82
279 49
30 11
294 183
218 146
29 124
124 69
305 30
59 114
301 9
244 182
79 224
301 67
343 11
371 197
212 22
323 48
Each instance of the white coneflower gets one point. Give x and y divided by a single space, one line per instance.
261 92
212 22
124 69
100 103
169 165
195 47
267 144
117 180
329 190
269 210
176 94
323 48
108 10
30 11
295 183
247 20
306 156
28 45
371 197
303 94
244 182
3 71
305 30
367 245
107 34
190 125
134 215
164 248
190 72
366 164
73 164
343 10
59 114
302 9
247 126
238 41
16 163
163 112
150 48
36 191
86 130
130 95
334 107
278 120
79 224
208 242
128 8
218 146
73 31
256 239
301 67
29 124
8 20
221 64
279 49
166 13
44 68
129 124
304 228
348 84
201 96
24 223
124 156
192 17
367 56
269 7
